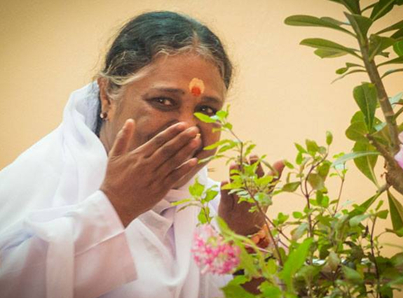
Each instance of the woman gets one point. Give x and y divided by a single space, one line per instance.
86 211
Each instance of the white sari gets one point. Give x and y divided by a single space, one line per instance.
60 236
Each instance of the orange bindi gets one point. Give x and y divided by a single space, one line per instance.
196 87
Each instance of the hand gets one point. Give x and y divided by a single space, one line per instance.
237 215
138 179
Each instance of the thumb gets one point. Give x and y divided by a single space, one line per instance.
277 169
227 200
123 138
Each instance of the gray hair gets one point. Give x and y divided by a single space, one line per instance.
151 34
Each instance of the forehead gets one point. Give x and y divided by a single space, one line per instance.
178 71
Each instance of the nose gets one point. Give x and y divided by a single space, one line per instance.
189 118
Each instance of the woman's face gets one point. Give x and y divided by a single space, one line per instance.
160 97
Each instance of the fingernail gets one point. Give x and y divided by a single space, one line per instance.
193 129
180 126
193 161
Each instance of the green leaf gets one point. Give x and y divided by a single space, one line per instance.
352 275
271 291
236 291
299 231
304 20
323 169
382 214
398 48
396 26
356 220
353 155
360 25
357 131
288 164
197 189
334 21
352 5
333 260
361 209
398 60
300 148
294 262
291 187
391 71
311 146
325 44
222 115
395 99
217 144
366 98
382 8
204 118
325 53
366 163
203 217
297 214
349 65
227 147
176 203
329 138
398 34
316 181
347 74
396 212
210 195
249 149
378 44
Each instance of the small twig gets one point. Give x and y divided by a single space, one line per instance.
397 114
373 255
389 158
339 196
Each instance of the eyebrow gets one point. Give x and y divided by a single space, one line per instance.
178 91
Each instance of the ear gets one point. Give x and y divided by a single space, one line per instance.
107 105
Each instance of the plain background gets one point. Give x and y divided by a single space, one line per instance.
282 92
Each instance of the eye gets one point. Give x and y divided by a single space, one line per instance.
164 101
207 110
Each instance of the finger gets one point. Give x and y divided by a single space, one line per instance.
172 147
277 169
180 156
180 172
259 170
123 138
160 139
227 201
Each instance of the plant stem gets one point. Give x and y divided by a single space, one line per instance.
259 208
339 196
386 107
373 255
398 112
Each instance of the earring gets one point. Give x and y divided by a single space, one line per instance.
104 116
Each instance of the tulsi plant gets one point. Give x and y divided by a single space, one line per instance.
330 248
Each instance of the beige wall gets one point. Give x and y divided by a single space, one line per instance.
282 93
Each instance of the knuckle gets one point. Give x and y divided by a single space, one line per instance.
159 140
167 151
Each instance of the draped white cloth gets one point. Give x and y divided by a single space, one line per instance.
61 238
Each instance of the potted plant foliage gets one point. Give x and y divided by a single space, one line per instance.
331 248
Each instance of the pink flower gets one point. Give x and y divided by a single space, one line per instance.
212 254
399 155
